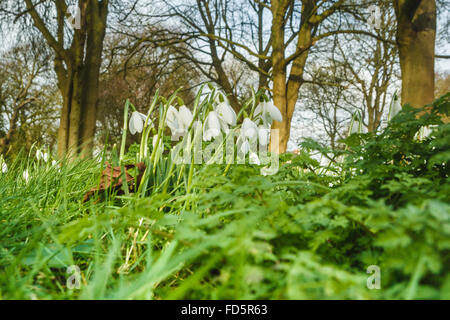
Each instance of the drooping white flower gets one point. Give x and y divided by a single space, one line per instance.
172 122
211 128
243 144
227 116
185 118
4 167
54 163
268 112
178 121
26 176
249 129
424 132
137 121
39 154
263 135
247 137
161 145
395 108
45 157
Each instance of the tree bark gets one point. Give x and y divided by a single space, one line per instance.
96 33
77 69
286 90
279 76
416 33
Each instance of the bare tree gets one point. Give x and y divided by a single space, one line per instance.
276 51
372 68
26 96
136 75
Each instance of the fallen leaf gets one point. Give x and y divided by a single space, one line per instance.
112 179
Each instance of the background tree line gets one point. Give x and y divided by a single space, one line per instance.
319 60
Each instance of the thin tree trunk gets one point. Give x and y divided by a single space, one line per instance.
279 77
63 130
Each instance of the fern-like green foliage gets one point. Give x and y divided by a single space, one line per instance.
308 232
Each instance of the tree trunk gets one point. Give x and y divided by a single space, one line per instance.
416 33
5 141
96 20
78 82
65 88
285 91
279 77
77 69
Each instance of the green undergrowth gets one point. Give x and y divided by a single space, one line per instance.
308 232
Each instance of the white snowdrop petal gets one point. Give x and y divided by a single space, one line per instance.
136 123
245 147
212 126
253 159
142 116
249 129
226 113
259 109
131 126
39 154
274 112
185 116
26 176
263 136
172 118
224 127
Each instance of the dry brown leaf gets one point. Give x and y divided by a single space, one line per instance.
112 179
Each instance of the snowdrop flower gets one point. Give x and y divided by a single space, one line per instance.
137 121
178 121
211 128
244 145
185 118
249 129
45 157
4 167
395 108
227 116
172 122
161 145
249 133
424 132
263 135
268 112
26 176
39 155
55 164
